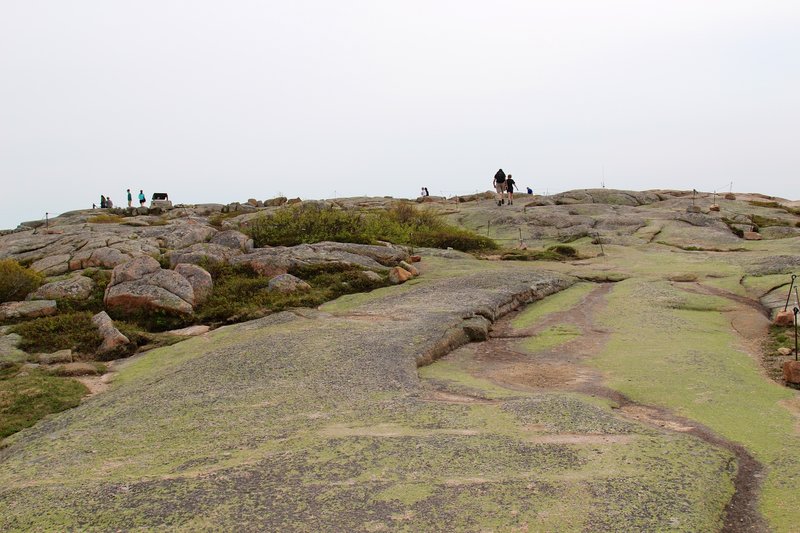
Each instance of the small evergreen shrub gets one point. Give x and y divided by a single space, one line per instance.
400 224
16 281
71 330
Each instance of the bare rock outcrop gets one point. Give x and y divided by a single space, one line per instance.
28 309
142 285
113 339
233 239
286 283
200 280
73 288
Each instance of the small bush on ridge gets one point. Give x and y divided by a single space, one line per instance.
16 281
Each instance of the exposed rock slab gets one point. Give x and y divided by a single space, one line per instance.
27 309
73 288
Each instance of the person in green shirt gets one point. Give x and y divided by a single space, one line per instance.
142 199
130 198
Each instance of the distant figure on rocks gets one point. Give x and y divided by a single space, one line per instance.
500 185
102 202
510 188
109 203
130 198
530 191
142 198
426 191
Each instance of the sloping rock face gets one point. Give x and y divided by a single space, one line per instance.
201 253
187 235
31 309
606 196
142 285
233 239
200 280
73 288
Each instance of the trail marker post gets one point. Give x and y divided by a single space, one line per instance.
785 307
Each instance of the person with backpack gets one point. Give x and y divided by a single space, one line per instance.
510 188
142 199
500 185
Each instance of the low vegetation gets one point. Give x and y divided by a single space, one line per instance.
105 219
26 396
401 224
559 252
240 293
71 330
16 281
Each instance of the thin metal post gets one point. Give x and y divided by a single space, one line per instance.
785 307
796 310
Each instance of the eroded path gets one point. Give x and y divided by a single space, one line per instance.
526 357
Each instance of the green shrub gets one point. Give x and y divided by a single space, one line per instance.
27 397
71 330
558 252
400 224
563 250
94 302
240 293
16 281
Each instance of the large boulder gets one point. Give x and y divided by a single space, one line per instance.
275 202
398 275
286 283
187 235
102 257
142 285
74 288
29 309
233 239
200 280
203 253
279 260
113 339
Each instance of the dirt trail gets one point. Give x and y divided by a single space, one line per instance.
562 368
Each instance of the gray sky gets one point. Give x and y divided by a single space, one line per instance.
217 101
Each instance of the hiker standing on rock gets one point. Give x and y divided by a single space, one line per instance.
510 188
130 198
142 199
102 202
499 185
109 203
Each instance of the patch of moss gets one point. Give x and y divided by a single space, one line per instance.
28 396
554 303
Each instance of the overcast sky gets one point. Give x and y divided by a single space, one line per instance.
216 101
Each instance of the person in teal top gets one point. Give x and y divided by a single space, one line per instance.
141 198
130 198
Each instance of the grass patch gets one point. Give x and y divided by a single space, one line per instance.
554 303
401 224
689 364
17 281
240 293
550 338
105 219
26 397
71 330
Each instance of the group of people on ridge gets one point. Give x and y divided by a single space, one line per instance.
504 185
106 203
